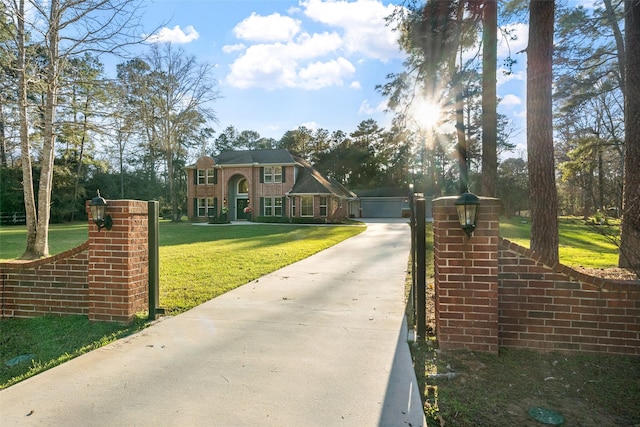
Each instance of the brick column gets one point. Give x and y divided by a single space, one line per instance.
118 263
466 277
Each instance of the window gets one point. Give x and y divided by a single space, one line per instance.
272 174
273 206
206 176
206 207
306 208
323 206
293 206
243 186
211 207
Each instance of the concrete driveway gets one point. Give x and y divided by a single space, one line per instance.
322 342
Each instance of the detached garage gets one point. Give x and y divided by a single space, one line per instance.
386 203
383 207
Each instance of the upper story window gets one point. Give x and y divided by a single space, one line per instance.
206 176
272 174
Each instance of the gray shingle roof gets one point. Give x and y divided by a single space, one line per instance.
310 181
248 157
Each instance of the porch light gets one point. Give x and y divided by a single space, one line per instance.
467 207
98 207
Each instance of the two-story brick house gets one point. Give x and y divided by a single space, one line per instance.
272 183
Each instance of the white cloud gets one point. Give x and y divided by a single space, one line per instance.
510 100
310 125
233 48
507 46
355 85
282 54
272 28
175 35
324 74
362 23
504 77
279 65
367 109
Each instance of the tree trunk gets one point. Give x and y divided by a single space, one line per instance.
489 100
3 140
617 33
48 145
462 141
543 193
25 144
630 237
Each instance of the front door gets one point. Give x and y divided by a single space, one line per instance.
240 205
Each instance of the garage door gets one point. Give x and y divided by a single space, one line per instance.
382 208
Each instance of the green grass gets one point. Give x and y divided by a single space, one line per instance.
589 390
197 263
581 244
13 238
50 341
496 390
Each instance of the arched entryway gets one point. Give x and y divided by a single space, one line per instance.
238 197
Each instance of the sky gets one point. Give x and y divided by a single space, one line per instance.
282 64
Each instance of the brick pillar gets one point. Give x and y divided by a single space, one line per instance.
466 277
118 263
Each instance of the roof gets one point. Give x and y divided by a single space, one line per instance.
310 181
383 192
248 157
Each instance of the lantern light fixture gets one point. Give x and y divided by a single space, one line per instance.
98 207
467 207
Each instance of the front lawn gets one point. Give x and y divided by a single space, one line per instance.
197 263
581 244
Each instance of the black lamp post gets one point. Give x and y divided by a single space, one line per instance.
98 207
467 207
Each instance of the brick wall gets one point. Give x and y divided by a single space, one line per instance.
105 279
466 278
56 285
492 293
558 308
118 263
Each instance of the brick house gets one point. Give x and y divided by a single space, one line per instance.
273 183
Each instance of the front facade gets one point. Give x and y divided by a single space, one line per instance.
262 183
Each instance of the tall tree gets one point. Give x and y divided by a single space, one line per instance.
543 193
180 92
64 28
85 101
630 238
25 143
489 97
